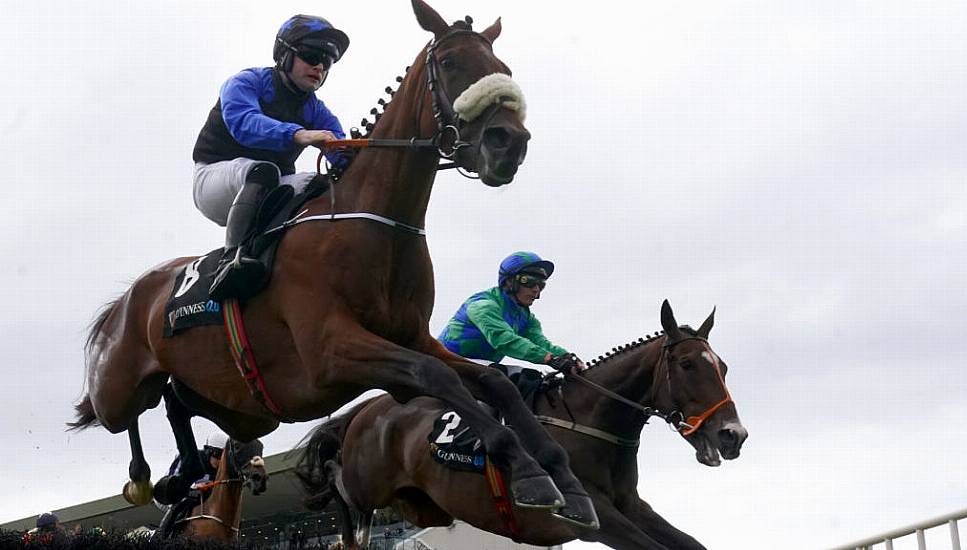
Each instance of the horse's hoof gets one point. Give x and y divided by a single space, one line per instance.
537 492
137 493
579 511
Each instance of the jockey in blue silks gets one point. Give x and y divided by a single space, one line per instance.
264 118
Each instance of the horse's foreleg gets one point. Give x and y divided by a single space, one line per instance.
137 491
640 513
623 533
490 385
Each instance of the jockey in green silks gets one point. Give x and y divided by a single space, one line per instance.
498 322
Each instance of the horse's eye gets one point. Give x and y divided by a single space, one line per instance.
685 364
448 63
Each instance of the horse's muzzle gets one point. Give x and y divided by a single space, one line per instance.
257 483
503 147
731 437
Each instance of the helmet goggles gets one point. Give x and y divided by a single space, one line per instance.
314 56
528 280
214 452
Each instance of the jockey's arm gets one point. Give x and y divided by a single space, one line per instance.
313 137
327 128
487 317
535 334
245 120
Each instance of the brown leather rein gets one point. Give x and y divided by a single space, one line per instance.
447 140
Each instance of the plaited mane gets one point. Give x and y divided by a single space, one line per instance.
635 344
381 104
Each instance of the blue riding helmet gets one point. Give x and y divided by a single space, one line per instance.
523 261
308 31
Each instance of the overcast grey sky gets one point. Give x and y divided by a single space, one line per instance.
800 165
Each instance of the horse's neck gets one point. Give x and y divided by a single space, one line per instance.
225 500
394 182
631 374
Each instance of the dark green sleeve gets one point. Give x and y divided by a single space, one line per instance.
487 317
535 334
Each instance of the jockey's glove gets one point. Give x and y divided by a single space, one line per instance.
564 362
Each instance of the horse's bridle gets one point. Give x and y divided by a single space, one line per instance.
447 139
442 106
676 419
695 422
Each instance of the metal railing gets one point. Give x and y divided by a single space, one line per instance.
918 528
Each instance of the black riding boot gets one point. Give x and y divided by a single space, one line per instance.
237 271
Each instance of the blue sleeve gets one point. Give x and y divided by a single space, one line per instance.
244 118
323 119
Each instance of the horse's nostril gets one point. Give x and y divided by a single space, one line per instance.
728 437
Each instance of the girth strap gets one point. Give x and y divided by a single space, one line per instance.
351 216
498 490
588 430
245 360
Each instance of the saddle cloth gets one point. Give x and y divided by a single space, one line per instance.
452 442
454 445
189 304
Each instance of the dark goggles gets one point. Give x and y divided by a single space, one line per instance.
315 56
214 451
530 281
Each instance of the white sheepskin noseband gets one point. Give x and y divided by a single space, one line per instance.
496 88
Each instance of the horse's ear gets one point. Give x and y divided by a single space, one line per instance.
668 322
492 32
429 19
707 325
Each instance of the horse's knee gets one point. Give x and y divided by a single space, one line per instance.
551 455
501 440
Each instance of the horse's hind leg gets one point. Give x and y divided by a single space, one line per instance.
239 426
137 490
191 467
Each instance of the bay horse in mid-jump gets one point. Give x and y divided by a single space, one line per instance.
219 511
348 305
378 454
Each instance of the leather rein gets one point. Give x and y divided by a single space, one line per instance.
675 419
447 141
211 484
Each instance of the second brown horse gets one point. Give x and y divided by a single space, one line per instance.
378 455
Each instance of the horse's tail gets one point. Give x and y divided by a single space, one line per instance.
321 445
84 415
84 410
